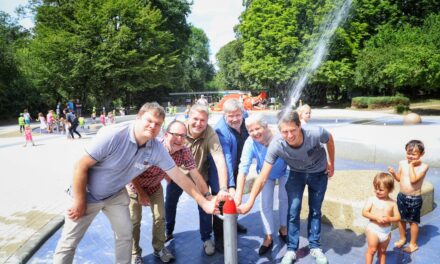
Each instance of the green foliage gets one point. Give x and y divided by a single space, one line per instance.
108 52
104 52
16 93
275 37
230 75
404 60
400 108
108 49
270 40
379 102
197 67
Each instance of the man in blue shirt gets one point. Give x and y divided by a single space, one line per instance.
232 133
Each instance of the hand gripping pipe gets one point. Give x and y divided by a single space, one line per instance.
230 232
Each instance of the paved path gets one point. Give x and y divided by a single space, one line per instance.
31 189
32 201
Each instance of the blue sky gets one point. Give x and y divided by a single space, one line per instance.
216 17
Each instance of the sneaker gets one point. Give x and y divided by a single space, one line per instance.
289 257
209 247
137 260
164 254
319 256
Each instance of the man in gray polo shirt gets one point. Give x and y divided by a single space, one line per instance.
302 149
116 156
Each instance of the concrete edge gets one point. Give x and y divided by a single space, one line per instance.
377 153
24 253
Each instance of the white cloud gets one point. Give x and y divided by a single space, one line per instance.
217 18
9 7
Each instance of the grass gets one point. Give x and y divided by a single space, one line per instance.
426 107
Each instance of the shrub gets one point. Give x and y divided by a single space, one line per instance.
380 102
400 108
359 102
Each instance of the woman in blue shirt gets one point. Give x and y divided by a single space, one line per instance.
255 147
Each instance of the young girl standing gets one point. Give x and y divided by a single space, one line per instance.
43 124
28 135
102 118
50 121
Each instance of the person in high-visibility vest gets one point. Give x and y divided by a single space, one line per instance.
21 122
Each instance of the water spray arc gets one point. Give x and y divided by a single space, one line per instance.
320 50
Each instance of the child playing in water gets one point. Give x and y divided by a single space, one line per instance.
305 113
28 135
410 174
382 211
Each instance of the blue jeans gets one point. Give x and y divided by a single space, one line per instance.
317 185
173 194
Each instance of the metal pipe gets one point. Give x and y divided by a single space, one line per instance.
230 232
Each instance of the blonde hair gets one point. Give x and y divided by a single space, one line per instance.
384 179
303 108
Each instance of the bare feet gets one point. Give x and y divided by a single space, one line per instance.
400 243
411 248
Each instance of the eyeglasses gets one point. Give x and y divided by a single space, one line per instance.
177 135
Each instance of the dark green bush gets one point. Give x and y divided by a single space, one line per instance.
379 102
359 102
400 108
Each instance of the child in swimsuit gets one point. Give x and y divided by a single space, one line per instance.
382 211
410 175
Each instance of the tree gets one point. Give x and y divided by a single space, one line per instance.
230 75
405 60
269 35
15 91
103 50
198 69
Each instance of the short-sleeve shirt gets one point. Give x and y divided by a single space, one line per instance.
120 160
150 179
309 157
201 147
254 150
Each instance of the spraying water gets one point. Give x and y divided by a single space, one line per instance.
320 50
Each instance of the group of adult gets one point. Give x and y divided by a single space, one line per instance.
202 161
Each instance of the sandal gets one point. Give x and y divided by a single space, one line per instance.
399 243
411 248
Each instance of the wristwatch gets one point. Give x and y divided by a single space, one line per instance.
208 193
224 189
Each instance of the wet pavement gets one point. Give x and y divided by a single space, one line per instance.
33 200
340 246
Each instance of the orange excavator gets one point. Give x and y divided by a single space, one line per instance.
249 102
